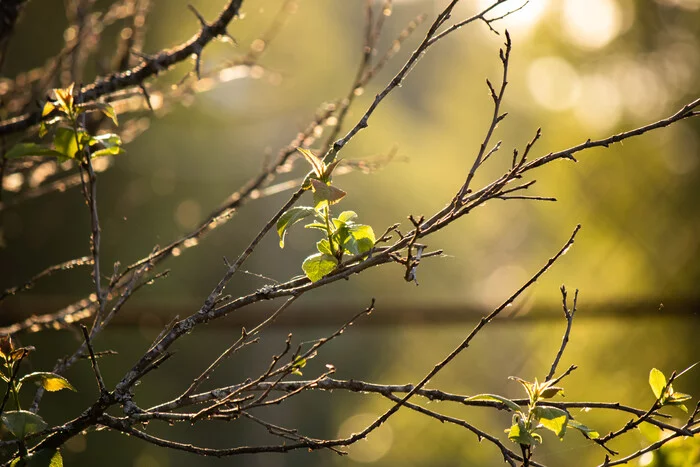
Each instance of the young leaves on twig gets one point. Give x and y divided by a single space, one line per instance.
664 392
70 141
343 236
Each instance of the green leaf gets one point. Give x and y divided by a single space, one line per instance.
588 432
350 245
65 143
553 419
529 387
290 218
41 458
30 149
363 236
329 169
678 397
108 110
22 423
493 397
316 225
49 381
324 246
115 151
679 405
518 433
325 195
346 216
298 363
319 265
551 391
107 140
657 381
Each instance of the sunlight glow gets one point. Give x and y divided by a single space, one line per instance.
600 105
591 24
522 21
372 448
553 83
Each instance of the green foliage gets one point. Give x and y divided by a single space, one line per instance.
343 236
678 452
299 363
21 423
41 458
70 141
291 217
664 393
537 415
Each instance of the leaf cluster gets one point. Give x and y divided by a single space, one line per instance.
537 415
343 236
70 141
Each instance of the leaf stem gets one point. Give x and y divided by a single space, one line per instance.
329 230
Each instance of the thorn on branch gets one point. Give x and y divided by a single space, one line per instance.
201 19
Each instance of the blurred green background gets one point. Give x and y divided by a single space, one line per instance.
580 69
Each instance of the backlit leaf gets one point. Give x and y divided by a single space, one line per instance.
657 381
551 391
108 111
49 381
518 433
363 236
553 419
493 397
30 149
346 216
22 423
324 246
325 195
589 432
290 218
319 265
48 108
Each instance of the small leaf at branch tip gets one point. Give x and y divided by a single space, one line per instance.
657 381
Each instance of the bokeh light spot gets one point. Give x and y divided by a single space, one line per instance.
188 213
372 448
520 22
600 105
591 24
553 83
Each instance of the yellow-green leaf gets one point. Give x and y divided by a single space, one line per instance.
553 419
589 432
518 433
49 381
41 458
290 218
48 108
493 397
319 265
657 381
